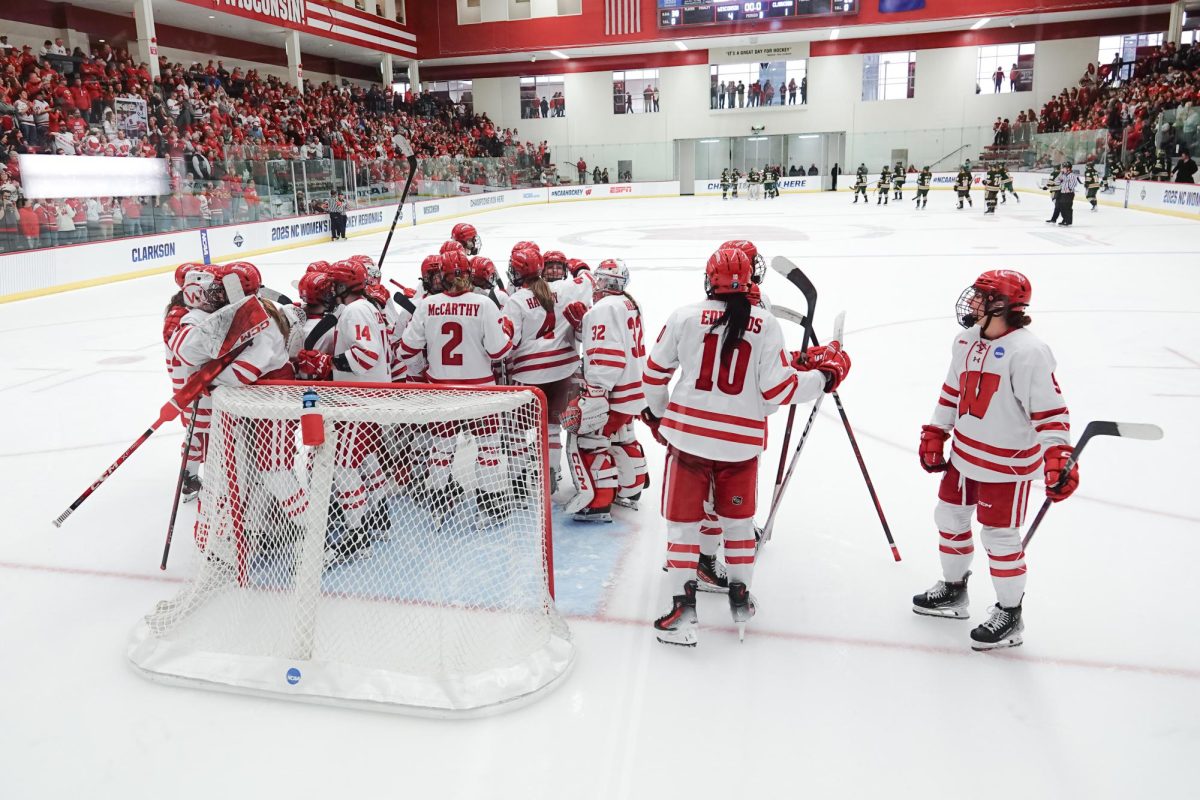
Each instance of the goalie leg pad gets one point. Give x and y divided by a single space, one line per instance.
441 459
632 472
593 471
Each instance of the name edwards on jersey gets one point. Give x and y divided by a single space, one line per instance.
451 309
710 317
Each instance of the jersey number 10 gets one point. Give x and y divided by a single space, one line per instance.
731 376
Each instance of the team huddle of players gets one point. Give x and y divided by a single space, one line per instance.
715 373
759 183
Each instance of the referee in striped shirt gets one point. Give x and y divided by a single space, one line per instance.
1069 182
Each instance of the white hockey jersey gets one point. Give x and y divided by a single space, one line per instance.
459 335
1004 405
582 288
613 352
719 411
545 347
397 320
501 295
266 352
361 335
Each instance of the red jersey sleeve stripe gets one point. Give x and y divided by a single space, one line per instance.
622 387
650 363
944 402
368 353
548 354
410 351
531 367
655 381
1053 426
364 363
595 362
770 393
1054 412
608 351
950 390
503 350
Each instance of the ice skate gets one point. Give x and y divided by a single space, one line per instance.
352 545
603 514
191 487
1004 628
678 626
741 606
494 506
710 575
443 501
379 519
630 502
949 600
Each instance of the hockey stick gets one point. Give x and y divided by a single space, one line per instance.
401 299
412 171
788 315
187 441
320 329
790 271
1128 430
777 500
182 399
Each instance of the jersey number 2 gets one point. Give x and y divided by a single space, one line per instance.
731 377
455 332
977 391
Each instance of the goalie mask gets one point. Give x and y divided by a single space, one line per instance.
993 294
612 276
197 282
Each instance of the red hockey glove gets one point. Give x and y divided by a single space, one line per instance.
378 295
315 365
1056 461
931 451
574 313
830 359
171 321
571 416
506 325
652 422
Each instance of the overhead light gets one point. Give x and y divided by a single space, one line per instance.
834 34
329 45
210 16
757 138
980 23
680 45
559 54
809 136
709 141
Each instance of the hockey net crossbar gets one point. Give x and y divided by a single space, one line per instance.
405 564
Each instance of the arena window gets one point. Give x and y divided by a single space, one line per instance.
767 83
457 92
889 76
543 96
635 91
1015 64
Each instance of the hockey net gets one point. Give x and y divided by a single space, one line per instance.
404 564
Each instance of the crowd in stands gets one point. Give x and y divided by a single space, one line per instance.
1148 106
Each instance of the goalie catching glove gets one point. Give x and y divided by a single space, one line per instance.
1056 462
830 359
587 413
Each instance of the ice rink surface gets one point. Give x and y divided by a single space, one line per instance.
839 689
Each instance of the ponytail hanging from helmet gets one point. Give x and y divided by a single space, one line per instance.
735 319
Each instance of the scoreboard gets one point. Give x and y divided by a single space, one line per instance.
684 13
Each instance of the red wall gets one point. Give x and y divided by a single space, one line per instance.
440 35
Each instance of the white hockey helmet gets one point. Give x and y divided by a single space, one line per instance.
611 276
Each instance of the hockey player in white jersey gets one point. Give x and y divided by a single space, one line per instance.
465 234
1008 417
316 291
397 318
545 342
181 303
606 460
732 367
460 334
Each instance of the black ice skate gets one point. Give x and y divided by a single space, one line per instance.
741 606
678 626
710 575
379 518
630 502
949 600
191 487
960 205
602 514
495 506
1003 628
350 546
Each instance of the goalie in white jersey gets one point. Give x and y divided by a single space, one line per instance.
1008 416
607 462
460 334
732 368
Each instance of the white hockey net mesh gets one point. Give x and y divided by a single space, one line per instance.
404 564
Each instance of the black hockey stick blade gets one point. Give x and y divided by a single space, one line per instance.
401 299
1129 430
320 329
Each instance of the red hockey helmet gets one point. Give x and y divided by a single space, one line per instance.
248 274
349 275
993 293
524 265
465 234
554 265
316 288
374 274
727 272
527 246
317 266
483 272
431 274
183 269
576 265
455 264
451 244
757 263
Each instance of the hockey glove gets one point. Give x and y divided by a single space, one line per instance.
652 422
593 408
506 325
1056 461
574 313
315 365
830 359
378 295
932 449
